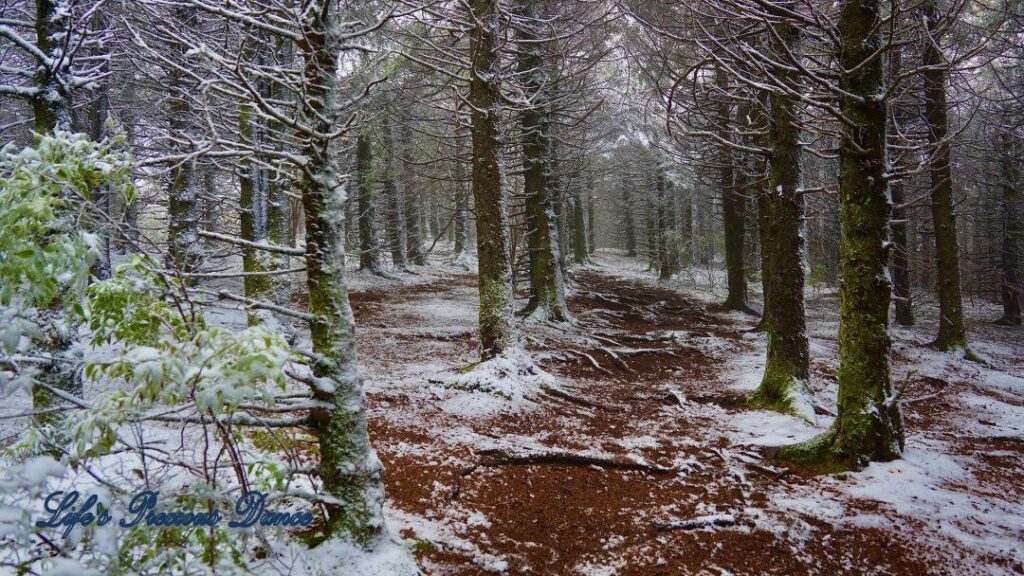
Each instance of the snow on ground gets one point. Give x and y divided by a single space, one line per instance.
935 484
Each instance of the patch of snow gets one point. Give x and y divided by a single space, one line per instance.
764 428
512 375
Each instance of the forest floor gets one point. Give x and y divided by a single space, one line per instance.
633 452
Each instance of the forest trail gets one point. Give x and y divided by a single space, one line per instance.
639 386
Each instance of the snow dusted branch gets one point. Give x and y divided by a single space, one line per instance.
266 247
259 305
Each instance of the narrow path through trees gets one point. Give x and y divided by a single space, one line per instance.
635 438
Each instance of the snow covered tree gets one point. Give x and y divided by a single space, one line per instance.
547 287
490 188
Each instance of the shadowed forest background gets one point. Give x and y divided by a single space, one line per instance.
515 287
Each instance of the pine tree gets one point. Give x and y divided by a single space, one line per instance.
952 332
784 385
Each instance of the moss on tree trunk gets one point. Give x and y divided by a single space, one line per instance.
547 287
348 467
250 179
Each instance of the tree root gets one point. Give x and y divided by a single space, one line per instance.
593 362
606 340
497 457
618 361
752 463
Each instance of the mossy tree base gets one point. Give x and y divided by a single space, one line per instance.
777 393
824 454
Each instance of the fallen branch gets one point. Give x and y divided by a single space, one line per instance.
457 478
498 457
713 520
280 272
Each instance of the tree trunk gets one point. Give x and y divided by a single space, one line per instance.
868 426
630 224
489 184
762 234
395 221
952 333
279 204
459 223
101 269
1013 236
668 252
579 225
591 217
733 206
686 227
900 250
547 287
784 386
900 259
558 198
349 469
250 199
59 340
52 101
369 257
413 207
183 251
